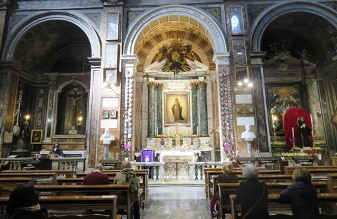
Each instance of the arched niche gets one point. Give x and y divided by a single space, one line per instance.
72 108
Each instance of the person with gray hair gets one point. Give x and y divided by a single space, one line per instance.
226 177
302 195
96 177
128 176
252 195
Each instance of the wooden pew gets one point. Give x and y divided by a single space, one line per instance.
273 188
119 189
210 172
66 173
39 177
273 199
75 181
143 176
314 170
10 183
75 202
332 182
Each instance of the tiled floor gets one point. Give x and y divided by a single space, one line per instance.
176 201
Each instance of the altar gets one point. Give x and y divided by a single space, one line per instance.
176 163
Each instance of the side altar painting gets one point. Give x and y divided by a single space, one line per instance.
280 99
177 108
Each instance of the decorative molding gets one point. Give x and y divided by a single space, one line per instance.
112 1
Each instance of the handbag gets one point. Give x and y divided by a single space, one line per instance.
256 203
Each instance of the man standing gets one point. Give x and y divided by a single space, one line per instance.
96 177
128 176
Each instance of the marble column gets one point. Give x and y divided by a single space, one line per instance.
203 130
195 109
94 110
51 110
152 109
260 104
159 111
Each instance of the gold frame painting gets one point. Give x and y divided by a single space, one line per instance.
241 72
113 114
177 108
36 136
105 114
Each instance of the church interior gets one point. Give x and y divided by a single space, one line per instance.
175 87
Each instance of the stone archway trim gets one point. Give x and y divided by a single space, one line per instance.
77 19
136 27
275 11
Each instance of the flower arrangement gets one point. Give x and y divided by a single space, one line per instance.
126 152
162 140
228 150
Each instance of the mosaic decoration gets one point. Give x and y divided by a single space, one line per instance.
226 109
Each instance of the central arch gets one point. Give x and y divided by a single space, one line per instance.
213 30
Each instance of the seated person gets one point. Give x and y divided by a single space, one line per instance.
96 177
57 150
128 176
302 195
24 204
226 177
252 195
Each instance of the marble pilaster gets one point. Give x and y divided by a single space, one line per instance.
203 109
152 109
159 111
195 109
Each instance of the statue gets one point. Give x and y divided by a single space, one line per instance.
249 136
303 138
107 138
177 110
72 131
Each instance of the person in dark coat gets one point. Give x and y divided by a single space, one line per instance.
96 177
252 195
57 150
226 177
24 204
302 196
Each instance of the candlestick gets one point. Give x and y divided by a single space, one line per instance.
156 130
197 130
293 132
312 124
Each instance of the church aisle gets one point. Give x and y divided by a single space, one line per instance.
178 202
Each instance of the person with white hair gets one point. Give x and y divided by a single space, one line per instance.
252 195
96 177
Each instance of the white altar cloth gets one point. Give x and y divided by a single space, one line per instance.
164 153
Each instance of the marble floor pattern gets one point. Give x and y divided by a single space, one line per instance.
176 201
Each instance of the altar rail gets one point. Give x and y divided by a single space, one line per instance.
156 169
75 164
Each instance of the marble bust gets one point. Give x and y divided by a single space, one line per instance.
106 138
248 135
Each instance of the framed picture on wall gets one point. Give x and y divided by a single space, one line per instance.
110 75
112 28
36 136
177 108
113 114
105 114
236 21
241 72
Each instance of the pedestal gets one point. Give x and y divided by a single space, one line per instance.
249 148
106 151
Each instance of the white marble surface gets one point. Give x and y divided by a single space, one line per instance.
178 202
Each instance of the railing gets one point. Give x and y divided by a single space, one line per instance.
156 169
17 163
75 164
